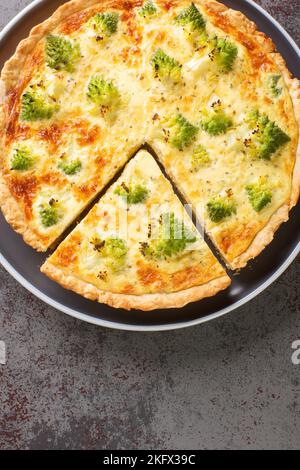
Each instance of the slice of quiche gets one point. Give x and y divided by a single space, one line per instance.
226 116
137 248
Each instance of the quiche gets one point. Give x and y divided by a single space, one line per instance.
197 82
137 248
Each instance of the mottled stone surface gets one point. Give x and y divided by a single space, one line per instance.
226 384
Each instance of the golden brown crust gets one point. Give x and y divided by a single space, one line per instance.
293 85
245 31
129 302
262 239
15 217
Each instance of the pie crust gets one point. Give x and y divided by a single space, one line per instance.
142 302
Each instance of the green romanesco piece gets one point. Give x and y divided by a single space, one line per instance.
112 250
70 168
259 196
22 159
180 132
173 239
103 93
273 82
220 208
199 158
223 53
266 138
165 67
61 54
36 105
192 19
133 194
49 214
216 123
148 10
105 24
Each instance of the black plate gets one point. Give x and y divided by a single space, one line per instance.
23 262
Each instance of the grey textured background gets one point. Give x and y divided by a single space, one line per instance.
227 384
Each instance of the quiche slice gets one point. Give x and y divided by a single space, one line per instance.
137 248
226 116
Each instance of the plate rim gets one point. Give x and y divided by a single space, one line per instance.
151 328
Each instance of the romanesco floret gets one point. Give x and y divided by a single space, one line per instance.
36 105
113 250
148 9
259 196
216 123
273 83
105 24
111 247
199 158
49 214
266 139
173 239
223 53
165 67
61 54
132 194
70 168
252 118
103 93
22 159
191 18
180 132
220 208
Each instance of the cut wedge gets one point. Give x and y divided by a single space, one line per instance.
137 248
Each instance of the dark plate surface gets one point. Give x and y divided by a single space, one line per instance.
24 263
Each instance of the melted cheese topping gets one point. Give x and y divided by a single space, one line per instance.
103 143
